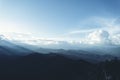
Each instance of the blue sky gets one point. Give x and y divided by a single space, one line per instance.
57 18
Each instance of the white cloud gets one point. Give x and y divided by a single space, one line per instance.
108 33
81 31
99 31
98 37
112 25
116 39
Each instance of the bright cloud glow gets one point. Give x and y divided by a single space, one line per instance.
98 37
7 27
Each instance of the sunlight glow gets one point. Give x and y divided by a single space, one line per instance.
6 26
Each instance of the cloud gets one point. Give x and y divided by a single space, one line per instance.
112 25
98 37
81 31
105 31
2 37
99 30
116 39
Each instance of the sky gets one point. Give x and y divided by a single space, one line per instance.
91 21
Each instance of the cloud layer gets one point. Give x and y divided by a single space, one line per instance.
98 37
108 33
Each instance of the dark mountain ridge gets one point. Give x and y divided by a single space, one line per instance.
37 66
17 62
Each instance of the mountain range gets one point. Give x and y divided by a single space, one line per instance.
8 48
22 61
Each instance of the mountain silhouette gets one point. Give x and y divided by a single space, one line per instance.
17 62
46 67
38 66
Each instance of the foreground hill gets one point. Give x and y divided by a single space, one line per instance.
47 67
52 66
